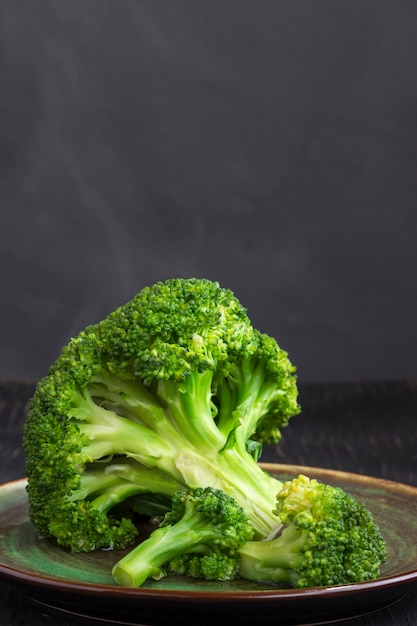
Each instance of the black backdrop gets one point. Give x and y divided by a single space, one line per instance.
270 145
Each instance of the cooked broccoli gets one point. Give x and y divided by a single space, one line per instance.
173 390
198 537
327 538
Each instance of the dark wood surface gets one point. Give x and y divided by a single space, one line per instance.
369 428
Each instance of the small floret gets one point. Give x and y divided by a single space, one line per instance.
327 538
199 537
173 390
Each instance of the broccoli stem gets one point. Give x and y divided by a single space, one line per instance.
239 476
119 480
110 433
119 493
252 488
237 393
146 560
130 399
192 409
273 561
181 413
151 480
92 483
244 399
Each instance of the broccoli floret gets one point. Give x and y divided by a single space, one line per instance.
327 538
173 390
199 537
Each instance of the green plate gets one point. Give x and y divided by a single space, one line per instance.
81 584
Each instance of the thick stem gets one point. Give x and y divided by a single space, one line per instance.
273 561
239 392
111 434
240 477
146 560
192 410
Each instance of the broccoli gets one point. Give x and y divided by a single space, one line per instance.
327 538
198 537
173 390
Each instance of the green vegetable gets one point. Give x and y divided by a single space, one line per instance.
199 537
173 390
328 538
325 537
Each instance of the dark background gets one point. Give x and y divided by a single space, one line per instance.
270 145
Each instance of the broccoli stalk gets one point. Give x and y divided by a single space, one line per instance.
176 382
108 484
328 538
198 537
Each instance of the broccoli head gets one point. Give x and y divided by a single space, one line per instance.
327 538
173 390
198 537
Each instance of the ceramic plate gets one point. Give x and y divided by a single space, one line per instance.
81 584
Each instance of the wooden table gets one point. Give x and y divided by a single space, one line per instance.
368 428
